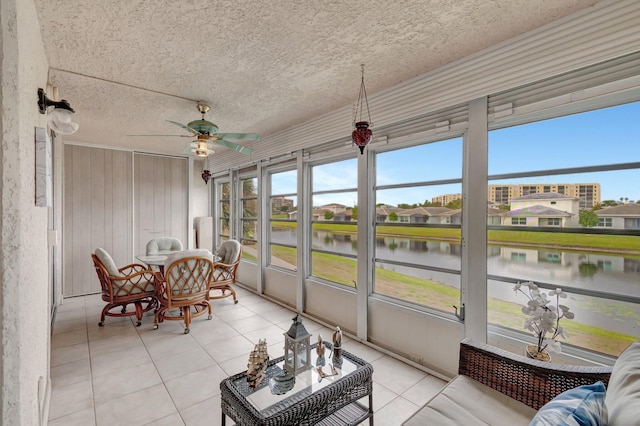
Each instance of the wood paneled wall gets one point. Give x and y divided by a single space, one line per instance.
118 200
98 212
161 199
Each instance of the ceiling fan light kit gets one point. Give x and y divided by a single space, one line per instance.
207 135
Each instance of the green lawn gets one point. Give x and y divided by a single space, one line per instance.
442 297
627 244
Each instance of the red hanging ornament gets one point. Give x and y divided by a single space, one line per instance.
206 175
362 134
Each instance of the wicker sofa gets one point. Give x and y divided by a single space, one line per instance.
496 387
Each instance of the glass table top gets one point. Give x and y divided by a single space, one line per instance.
271 395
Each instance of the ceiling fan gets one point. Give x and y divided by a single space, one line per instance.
207 136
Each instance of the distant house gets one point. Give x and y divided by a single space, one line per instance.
543 209
421 215
334 207
318 214
342 216
538 216
451 217
280 204
494 216
624 216
383 212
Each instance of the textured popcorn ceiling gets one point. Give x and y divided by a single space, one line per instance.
127 65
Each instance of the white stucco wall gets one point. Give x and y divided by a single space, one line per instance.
24 317
200 192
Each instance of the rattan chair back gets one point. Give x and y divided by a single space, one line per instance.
131 284
184 286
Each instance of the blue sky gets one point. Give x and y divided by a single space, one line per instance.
602 137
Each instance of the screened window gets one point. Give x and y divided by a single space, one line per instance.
224 211
553 221
605 221
418 224
334 222
589 175
283 213
249 217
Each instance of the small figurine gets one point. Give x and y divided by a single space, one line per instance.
337 347
337 337
320 351
320 347
258 360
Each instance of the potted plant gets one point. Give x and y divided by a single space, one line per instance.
544 319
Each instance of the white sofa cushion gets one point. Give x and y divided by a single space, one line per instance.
623 392
467 402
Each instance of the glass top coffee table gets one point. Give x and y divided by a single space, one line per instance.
312 399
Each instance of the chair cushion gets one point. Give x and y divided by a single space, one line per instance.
187 253
127 289
176 274
229 251
465 401
623 393
163 245
580 406
107 262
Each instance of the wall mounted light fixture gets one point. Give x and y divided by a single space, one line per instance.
60 116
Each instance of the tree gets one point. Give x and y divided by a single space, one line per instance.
588 218
393 217
354 213
328 215
455 204
608 203
407 206
284 208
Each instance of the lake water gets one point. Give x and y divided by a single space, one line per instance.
593 271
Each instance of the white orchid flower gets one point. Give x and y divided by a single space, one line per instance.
558 292
554 346
543 315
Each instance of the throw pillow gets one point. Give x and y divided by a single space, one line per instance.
623 394
581 406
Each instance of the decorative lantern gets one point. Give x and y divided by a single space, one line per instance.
297 348
206 174
362 135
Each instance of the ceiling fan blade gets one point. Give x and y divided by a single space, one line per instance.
173 136
240 136
238 148
187 128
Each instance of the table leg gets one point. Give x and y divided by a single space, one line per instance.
370 408
223 419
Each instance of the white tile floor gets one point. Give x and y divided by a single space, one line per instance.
120 374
